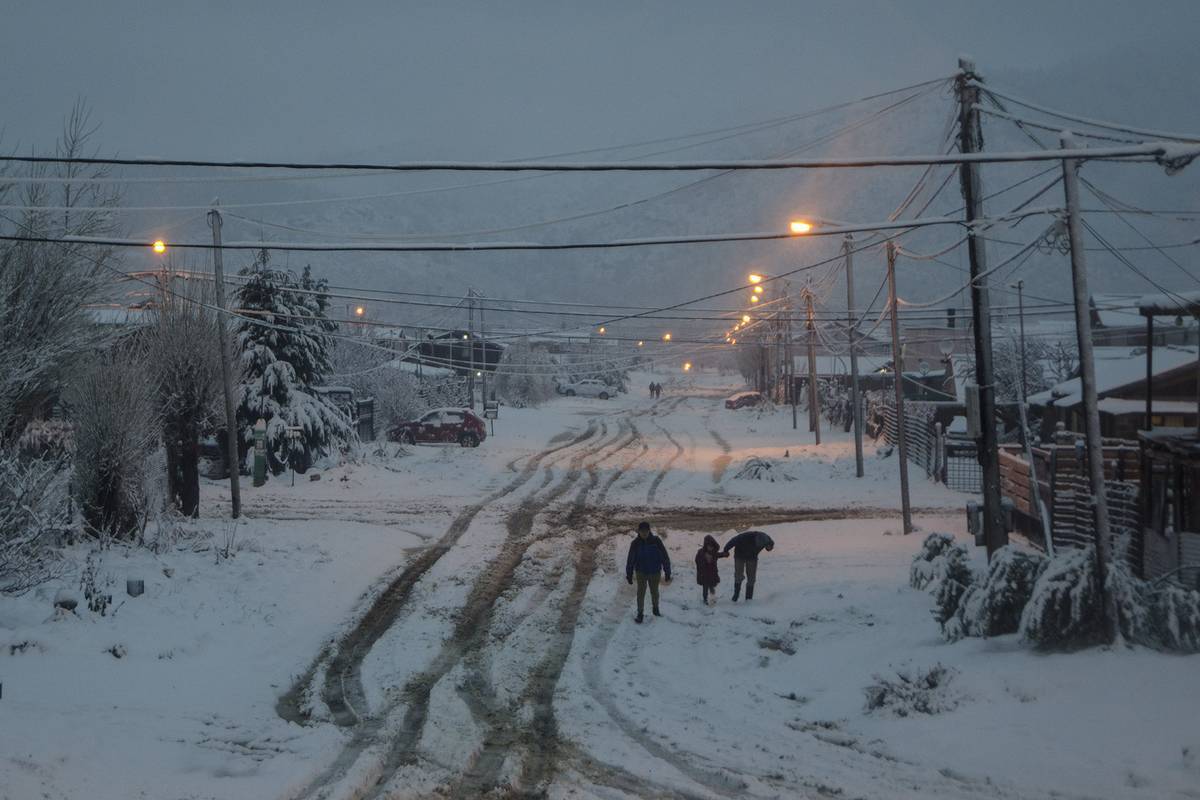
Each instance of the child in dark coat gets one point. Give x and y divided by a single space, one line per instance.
706 567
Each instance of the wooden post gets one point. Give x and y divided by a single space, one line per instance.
231 432
898 371
814 401
1087 380
851 332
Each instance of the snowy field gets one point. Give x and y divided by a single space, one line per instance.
450 622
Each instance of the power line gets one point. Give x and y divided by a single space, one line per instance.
1172 156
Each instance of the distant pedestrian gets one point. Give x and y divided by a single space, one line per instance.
746 546
652 388
706 568
648 560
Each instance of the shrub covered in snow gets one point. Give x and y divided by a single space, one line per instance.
924 564
1065 609
954 578
993 606
913 692
116 429
32 506
760 469
1160 614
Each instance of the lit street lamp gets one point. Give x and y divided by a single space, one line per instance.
799 226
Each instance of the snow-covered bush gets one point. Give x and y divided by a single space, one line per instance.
993 606
915 692
1162 615
1066 608
760 469
116 428
525 376
924 569
33 505
954 577
375 373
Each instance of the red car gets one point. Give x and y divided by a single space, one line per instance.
744 400
441 426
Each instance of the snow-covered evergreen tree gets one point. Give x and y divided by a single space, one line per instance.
281 361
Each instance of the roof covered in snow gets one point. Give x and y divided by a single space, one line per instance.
1116 367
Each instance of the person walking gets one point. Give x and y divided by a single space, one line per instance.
648 560
651 388
746 546
706 568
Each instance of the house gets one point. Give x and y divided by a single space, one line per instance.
1121 390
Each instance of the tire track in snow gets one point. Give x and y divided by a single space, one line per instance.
342 687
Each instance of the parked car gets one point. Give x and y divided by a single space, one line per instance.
744 400
589 387
441 426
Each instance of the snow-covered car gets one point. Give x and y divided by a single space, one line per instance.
744 400
590 387
441 426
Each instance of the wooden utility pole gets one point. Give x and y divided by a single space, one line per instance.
1087 381
851 332
814 399
898 372
483 355
231 431
470 348
970 140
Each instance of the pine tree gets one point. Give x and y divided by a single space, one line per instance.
281 361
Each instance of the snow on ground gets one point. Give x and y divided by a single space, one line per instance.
764 699
190 702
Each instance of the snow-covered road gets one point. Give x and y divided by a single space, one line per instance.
455 623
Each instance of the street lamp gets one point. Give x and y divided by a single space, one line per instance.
799 226
602 330
687 365
641 342
745 317
755 278
666 337
359 311
753 298
159 246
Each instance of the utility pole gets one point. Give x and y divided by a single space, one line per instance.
790 355
231 432
482 355
852 331
1087 380
814 410
471 348
898 371
970 140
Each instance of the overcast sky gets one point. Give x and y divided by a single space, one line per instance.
504 79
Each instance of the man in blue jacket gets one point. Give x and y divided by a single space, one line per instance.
647 559
746 546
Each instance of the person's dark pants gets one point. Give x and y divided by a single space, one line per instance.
644 580
706 590
744 569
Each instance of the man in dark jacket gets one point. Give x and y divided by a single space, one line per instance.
647 560
746 546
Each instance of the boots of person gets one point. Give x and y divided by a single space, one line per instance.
657 613
737 590
750 591
638 619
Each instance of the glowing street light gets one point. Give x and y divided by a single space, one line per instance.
799 226
602 330
753 298
687 365
745 317
159 246
666 337
466 336
758 290
755 278
359 311
641 342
